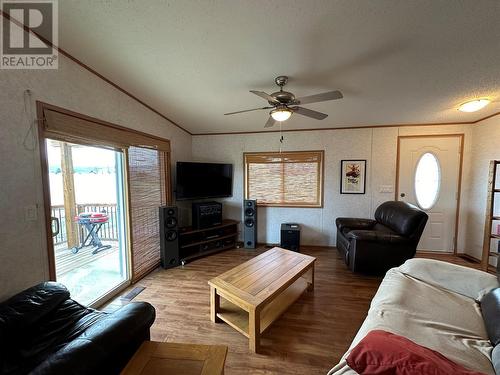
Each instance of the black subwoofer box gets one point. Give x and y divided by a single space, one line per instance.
290 236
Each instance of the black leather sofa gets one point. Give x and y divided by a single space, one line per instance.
44 331
374 246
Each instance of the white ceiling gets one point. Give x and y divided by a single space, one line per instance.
395 61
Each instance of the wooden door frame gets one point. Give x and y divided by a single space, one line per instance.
40 107
461 137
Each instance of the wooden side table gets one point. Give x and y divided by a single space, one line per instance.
155 358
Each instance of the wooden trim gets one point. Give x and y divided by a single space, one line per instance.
89 69
46 194
486 117
354 127
128 217
461 137
468 257
460 172
337 128
322 184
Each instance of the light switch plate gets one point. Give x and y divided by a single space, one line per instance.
30 213
386 189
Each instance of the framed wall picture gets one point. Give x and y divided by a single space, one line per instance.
352 176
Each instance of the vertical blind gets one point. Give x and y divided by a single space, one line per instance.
286 179
146 175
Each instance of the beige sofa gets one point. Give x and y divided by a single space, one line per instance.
434 304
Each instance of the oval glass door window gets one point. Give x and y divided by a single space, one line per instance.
427 181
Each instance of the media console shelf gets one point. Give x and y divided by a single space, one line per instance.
196 243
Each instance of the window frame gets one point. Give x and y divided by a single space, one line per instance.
320 180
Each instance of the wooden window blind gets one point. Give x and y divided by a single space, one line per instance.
286 179
68 128
147 186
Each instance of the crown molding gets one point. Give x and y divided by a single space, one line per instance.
475 122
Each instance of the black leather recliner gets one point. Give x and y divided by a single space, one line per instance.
374 246
44 331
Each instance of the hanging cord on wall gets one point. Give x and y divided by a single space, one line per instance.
281 138
29 140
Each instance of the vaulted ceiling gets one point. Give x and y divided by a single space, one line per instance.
395 61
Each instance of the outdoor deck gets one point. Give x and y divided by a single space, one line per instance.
66 261
88 276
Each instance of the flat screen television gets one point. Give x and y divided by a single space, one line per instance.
203 180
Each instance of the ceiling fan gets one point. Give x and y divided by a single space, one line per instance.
284 103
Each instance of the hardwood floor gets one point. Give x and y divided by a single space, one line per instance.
309 338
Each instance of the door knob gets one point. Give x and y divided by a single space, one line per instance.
402 195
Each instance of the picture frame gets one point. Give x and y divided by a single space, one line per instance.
352 176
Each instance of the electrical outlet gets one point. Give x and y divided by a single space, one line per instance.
386 189
30 213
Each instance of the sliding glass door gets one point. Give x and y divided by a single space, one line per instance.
88 216
103 184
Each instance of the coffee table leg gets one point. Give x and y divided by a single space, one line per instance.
214 305
310 278
254 330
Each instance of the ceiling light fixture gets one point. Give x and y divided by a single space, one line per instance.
474 105
281 114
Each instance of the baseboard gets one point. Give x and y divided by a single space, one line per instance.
468 257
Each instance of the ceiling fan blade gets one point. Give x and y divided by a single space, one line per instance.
247 110
263 95
331 95
309 113
270 122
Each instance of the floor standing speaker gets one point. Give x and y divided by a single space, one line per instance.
250 223
169 237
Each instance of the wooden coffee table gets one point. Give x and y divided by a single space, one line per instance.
255 293
154 358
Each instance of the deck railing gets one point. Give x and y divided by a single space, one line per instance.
109 230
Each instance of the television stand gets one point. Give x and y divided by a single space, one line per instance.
197 243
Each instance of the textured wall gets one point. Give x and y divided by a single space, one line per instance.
378 146
485 147
23 254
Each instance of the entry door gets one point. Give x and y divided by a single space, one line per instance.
429 169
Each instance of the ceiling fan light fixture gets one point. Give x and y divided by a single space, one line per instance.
474 105
281 114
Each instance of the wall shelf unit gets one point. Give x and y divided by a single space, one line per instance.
491 244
